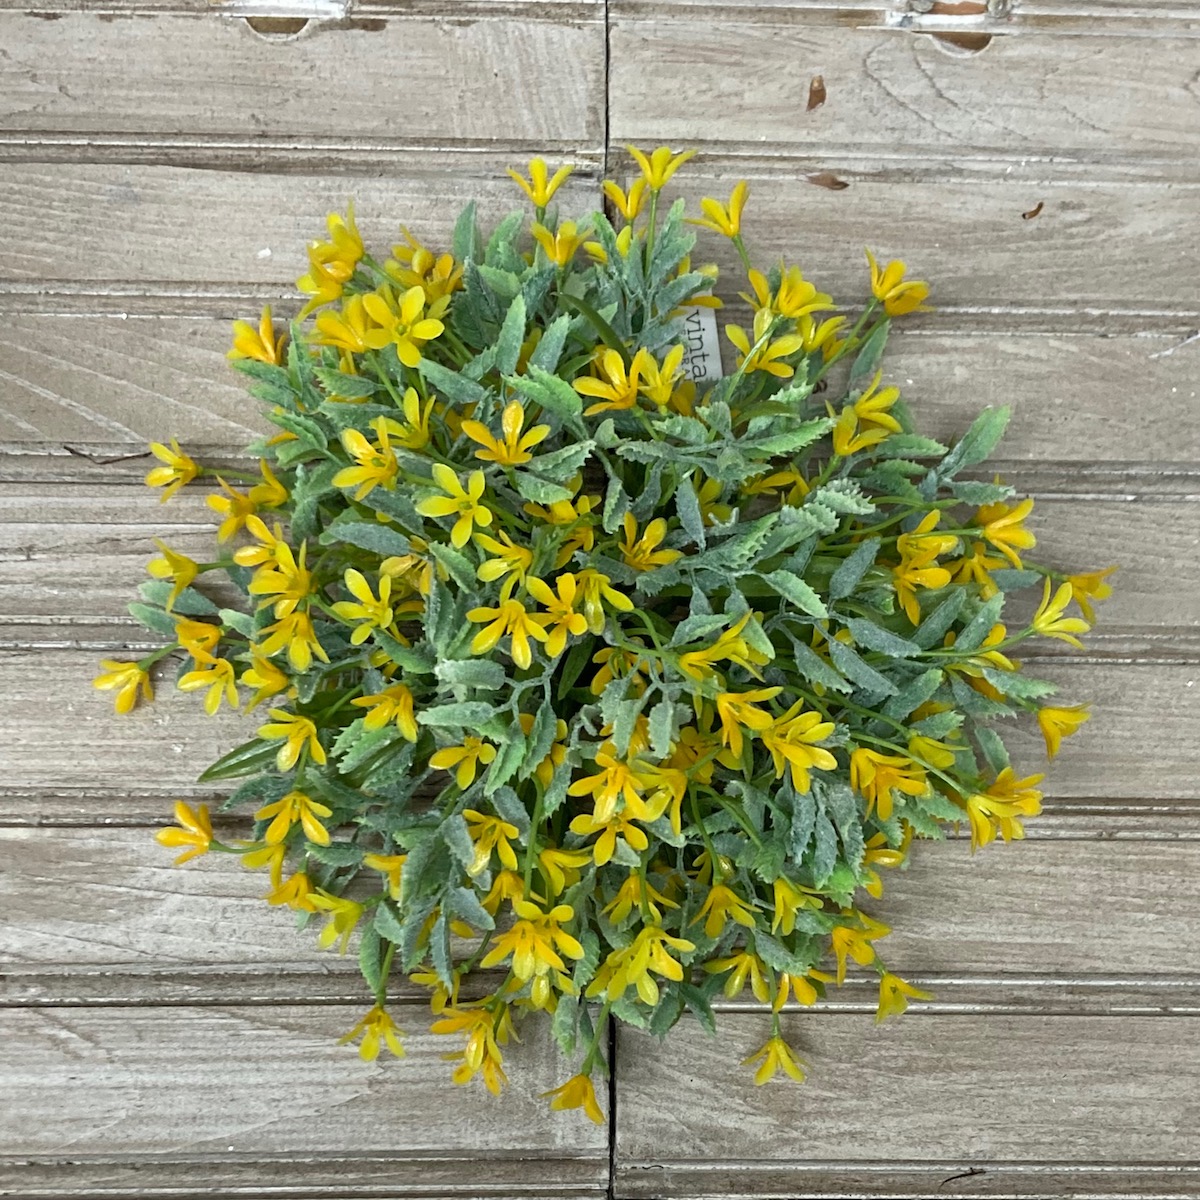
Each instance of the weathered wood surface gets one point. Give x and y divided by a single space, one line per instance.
232 1084
945 1091
70 380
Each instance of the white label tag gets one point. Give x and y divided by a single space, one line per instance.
701 345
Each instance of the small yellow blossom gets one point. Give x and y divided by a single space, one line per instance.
295 807
634 894
296 892
514 450
490 834
198 638
1089 586
1058 723
918 566
389 865
465 759
377 464
296 632
509 619
605 846
616 387
285 583
561 244
658 384
270 493
577 1092
126 679
894 995
769 357
342 916
873 407
194 832
1003 527
376 1028
738 711
849 439
180 469
790 898
331 263
615 782
795 297
260 343
855 941
631 966
538 187
265 677
775 1055
658 168
730 645
642 553
976 566
874 775
725 219
401 322
370 612
630 203
544 771
534 941
217 675
299 734
458 502
180 569
233 507
742 966
722 905
561 868
597 591
392 704
789 740
345 330
508 561
890 288
819 335
999 809
560 617
1049 620
415 265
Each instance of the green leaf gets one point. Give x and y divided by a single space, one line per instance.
560 465
662 727
370 957
367 535
866 362
466 714
245 759
994 750
973 633
851 571
189 602
471 673
464 903
504 766
825 848
351 387
459 567
556 396
873 637
465 243
508 805
797 592
242 622
512 334
687 505
539 490
153 618
857 671
794 440
451 384
978 442
549 349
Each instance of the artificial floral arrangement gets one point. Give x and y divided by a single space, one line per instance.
608 688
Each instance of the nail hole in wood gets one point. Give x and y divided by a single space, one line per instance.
276 27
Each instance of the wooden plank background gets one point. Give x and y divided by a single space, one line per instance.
153 1022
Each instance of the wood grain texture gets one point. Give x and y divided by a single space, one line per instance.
231 1085
1042 907
726 82
944 1089
105 380
418 80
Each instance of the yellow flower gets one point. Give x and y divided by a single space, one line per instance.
270 493
392 704
484 1031
288 580
631 966
855 941
798 985
413 433
641 553
180 569
605 846
1049 620
514 450
126 678
660 166
613 782
597 592
577 1092
269 548
795 298
538 187
790 898
370 612
765 358
1058 723
659 383
375 1028
402 322
560 868
260 343
266 677
724 219
506 886
849 439
775 1055
874 407
560 616
234 508
465 759
345 330
894 995
918 567
742 966
296 892
488 834
332 263
790 743
511 619
722 905
873 776
819 335
976 566
390 865
376 463
731 645
632 894
630 203
737 711
180 469
462 504
343 917
999 808
621 389
560 245
1002 526
509 562
544 771
1089 586
198 638
194 832
880 853
931 751
534 941
295 631
898 297
218 676
299 734
292 808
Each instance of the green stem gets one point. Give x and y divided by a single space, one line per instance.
531 849
846 345
146 663
604 330
740 246
589 1059
385 970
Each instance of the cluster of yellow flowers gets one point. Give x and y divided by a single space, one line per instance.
612 684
